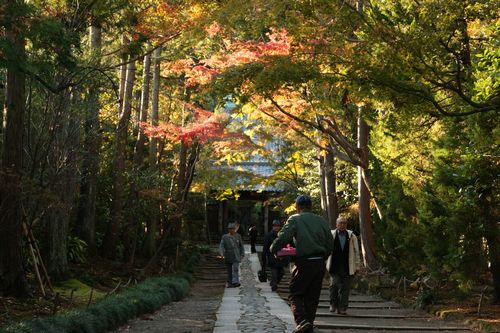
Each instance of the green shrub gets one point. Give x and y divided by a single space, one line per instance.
114 310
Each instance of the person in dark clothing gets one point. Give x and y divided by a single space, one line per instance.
277 265
314 243
252 231
232 251
342 265
239 229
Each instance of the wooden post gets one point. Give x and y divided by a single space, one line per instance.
221 217
90 296
266 217
481 302
35 260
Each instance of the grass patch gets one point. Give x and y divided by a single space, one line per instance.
77 290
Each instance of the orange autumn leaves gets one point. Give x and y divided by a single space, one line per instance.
201 72
205 125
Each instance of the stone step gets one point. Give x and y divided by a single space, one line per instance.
355 314
365 306
398 324
382 330
372 313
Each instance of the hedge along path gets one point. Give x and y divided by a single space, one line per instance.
114 310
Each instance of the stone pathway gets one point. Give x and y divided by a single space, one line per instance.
253 307
195 313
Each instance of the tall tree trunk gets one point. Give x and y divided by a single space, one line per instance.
330 188
111 237
63 174
143 114
85 226
123 71
492 235
181 185
322 186
130 234
137 114
12 279
153 221
365 221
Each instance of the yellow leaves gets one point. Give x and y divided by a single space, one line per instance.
476 28
227 194
290 209
198 187
196 11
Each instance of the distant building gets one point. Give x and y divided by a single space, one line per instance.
252 202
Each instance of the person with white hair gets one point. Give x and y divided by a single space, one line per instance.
342 265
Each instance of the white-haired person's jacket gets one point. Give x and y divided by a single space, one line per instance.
354 257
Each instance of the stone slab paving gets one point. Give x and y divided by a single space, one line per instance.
253 307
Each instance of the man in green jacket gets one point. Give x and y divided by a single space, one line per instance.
313 240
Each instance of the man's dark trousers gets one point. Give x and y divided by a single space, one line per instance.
340 287
340 282
277 273
229 270
305 288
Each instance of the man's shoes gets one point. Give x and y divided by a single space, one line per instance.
236 285
304 326
342 312
332 308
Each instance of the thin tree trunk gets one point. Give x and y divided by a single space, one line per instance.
130 234
123 72
85 226
365 221
12 279
144 108
153 145
63 174
330 189
181 185
111 237
492 236
322 186
153 221
137 114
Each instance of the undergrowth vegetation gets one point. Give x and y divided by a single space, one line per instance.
114 310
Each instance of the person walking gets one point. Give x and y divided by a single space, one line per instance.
252 231
276 264
342 265
232 251
313 240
